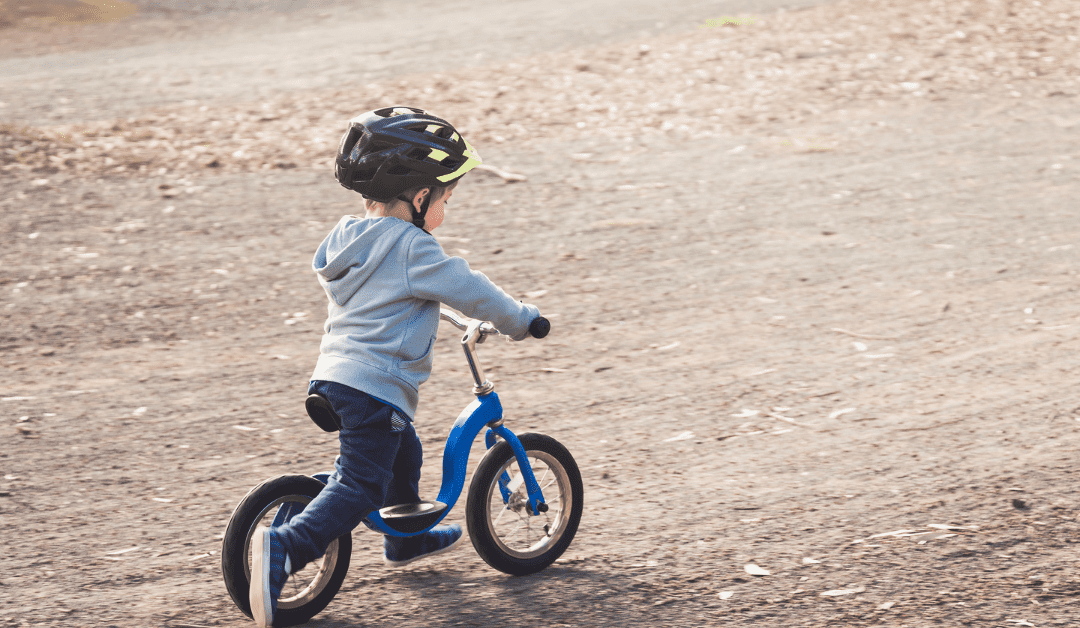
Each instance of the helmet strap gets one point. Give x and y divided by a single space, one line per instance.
418 216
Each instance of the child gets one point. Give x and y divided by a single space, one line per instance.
385 276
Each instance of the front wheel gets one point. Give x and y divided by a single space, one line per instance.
505 533
271 504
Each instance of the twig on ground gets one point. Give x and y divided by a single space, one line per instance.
787 420
930 427
866 336
509 177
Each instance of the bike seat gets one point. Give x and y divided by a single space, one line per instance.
322 413
412 517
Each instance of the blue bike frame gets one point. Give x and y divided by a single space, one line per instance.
484 411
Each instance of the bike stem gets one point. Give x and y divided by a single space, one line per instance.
475 331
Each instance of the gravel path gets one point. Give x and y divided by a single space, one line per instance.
256 56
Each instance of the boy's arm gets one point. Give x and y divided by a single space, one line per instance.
433 275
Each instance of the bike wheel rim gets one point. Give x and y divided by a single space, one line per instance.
523 536
316 581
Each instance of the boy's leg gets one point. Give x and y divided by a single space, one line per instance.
364 472
359 485
399 551
405 487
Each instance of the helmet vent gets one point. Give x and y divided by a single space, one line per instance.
349 140
367 174
398 170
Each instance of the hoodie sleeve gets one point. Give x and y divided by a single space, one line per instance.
433 275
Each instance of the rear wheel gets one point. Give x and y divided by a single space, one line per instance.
503 529
270 504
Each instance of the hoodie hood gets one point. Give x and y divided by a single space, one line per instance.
353 250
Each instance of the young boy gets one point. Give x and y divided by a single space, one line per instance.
385 276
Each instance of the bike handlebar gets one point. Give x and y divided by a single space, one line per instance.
538 328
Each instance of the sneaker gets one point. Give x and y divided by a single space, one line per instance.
270 567
404 550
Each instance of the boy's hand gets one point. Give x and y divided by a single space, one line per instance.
540 327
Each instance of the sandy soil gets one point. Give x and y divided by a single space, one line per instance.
769 353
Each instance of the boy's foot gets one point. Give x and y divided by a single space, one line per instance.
404 550
270 568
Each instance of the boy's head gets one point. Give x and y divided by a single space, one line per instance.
395 153
434 197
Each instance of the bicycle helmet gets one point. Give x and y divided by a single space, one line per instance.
387 151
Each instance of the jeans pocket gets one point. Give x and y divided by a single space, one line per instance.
379 419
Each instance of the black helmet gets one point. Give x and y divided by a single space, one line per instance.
390 150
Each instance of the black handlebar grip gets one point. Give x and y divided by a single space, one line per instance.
539 327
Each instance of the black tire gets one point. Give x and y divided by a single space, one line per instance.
307 592
560 482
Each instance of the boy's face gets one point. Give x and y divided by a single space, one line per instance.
437 211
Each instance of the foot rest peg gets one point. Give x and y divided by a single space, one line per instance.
412 517
322 413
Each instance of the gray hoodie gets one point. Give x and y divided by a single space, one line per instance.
385 280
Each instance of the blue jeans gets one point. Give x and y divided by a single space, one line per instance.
379 466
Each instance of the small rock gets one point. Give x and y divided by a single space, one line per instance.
836 592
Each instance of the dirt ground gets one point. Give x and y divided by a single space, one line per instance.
841 349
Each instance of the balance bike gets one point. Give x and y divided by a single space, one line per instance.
522 511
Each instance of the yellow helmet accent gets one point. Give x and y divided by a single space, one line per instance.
438 155
472 160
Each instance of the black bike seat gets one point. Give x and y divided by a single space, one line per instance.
322 413
410 518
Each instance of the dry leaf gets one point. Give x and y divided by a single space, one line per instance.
896 533
837 592
123 551
754 570
683 436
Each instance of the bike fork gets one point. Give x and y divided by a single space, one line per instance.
536 497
